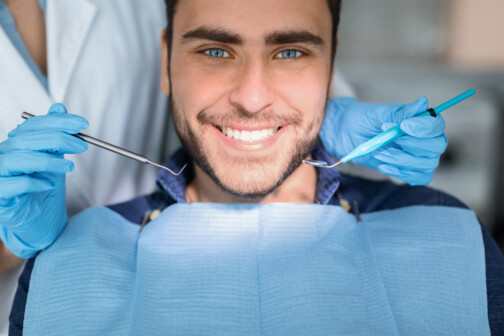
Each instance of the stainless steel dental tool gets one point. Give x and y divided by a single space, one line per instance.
115 149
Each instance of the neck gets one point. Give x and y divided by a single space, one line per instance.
299 187
30 23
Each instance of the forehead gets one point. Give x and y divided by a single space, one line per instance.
253 19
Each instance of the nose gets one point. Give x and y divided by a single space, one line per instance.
253 91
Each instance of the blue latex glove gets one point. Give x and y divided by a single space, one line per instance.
411 158
32 180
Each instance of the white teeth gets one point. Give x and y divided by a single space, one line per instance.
245 136
248 136
255 135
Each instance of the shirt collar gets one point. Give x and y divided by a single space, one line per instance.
327 184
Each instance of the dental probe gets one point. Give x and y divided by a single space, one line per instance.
389 135
113 148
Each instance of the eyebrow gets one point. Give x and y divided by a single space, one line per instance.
212 34
294 36
274 38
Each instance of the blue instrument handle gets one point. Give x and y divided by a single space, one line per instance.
395 132
378 141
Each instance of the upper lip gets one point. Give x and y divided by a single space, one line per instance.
249 127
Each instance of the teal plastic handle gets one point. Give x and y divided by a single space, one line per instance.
378 141
454 101
395 132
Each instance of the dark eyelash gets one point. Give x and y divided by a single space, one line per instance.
204 51
302 53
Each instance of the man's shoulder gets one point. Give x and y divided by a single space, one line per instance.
386 195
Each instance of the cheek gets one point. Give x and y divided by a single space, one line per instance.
195 87
306 92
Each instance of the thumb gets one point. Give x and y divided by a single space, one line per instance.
57 108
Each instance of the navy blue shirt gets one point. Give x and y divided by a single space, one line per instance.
332 188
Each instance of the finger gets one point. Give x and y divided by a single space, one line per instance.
57 108
424 127
412 177
406 111
68 123
403 160
18 163
425 147
429 147
18 185
45 141
416 177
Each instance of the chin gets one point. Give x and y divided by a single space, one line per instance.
249 188
253 180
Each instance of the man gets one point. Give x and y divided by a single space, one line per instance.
248 84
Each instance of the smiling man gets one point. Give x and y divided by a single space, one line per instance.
248 240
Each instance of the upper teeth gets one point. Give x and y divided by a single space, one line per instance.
248 136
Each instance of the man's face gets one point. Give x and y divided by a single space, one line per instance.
249 83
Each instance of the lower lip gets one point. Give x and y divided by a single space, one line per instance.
251 146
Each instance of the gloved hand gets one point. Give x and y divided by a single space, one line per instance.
32 179
411 158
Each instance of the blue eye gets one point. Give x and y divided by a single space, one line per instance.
289 53
216 52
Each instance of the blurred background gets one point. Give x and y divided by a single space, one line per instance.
397 50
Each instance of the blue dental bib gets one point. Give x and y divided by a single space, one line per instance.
273 269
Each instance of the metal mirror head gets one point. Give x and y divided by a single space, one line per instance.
315 163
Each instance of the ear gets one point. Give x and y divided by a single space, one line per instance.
165 79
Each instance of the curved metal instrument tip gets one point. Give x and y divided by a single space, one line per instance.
176 174
168 169
181 170
320 164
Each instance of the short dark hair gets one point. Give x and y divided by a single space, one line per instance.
334 7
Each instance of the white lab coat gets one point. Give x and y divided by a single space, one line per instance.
103 64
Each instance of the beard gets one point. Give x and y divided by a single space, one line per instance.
255 175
